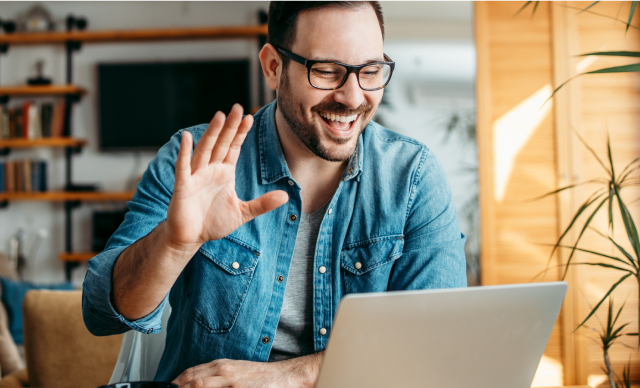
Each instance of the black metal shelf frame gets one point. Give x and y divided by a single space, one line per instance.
72 98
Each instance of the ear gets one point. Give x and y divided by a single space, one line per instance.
271 65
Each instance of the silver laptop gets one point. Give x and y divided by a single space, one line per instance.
482 337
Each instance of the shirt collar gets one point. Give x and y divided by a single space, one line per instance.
273 165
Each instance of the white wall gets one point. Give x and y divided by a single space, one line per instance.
432 38
111 170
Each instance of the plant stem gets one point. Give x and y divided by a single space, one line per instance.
607 363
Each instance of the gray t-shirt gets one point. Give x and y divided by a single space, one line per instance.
294 335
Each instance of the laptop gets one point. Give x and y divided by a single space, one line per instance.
481 337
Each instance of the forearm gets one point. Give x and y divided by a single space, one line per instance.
304 371
144 273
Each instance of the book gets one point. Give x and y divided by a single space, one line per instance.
57 122
26 107
4 123
26 176
2 183
41 175
8 177
46 113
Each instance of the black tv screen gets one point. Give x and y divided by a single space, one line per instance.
143 104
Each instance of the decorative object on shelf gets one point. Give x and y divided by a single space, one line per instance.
36 19
8 26
72 39
39 79
77 22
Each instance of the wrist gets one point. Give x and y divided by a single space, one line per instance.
175 249
304 371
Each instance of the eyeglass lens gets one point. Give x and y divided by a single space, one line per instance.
330 75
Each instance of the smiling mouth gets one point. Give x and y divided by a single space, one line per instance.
338 122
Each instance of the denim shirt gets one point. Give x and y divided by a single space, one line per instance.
391 225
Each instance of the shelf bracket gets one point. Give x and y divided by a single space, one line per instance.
4 48
5 151
73 45
4 204
4 98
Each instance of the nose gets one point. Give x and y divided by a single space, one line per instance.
350 93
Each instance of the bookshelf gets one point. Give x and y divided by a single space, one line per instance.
62 196
41 90
53 142
145 35
73 41
75 257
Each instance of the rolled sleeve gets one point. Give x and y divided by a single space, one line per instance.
100 317
433 253
147 210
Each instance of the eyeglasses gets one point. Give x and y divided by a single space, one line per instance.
326 75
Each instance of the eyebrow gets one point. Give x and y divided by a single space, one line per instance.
335 60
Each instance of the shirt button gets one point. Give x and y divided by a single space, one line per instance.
149 331
290 183
235 265
281 278
293 217
358 265
322 269
322 331
265 340
330 211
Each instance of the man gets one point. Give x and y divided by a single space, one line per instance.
256 236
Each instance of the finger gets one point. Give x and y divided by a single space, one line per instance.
183 163
209 382
236 144
202 153
264 204
229 130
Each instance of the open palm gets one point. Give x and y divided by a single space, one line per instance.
204 205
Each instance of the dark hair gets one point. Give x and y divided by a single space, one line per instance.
283 17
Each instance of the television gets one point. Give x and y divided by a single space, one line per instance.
141 105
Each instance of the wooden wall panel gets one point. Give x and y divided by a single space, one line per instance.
518 56
514 70
610 102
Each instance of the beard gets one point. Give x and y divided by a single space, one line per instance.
309 133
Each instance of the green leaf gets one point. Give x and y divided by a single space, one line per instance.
631 12
633 54
622 279
593 152
605 265
613 172
595 253
616 69
629 225
535 6
567 188
585 205
632 260
586 225
586 9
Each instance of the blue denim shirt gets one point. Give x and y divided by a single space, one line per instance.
391 225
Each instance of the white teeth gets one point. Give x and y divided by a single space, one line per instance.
335 117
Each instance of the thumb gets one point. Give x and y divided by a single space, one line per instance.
264 204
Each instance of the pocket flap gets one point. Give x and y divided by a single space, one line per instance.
231 255
361 257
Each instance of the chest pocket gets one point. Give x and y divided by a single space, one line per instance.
221 274
366 265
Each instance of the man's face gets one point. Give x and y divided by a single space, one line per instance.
350 36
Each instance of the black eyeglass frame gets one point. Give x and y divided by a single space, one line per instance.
308 63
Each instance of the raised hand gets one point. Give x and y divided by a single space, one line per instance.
204 205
